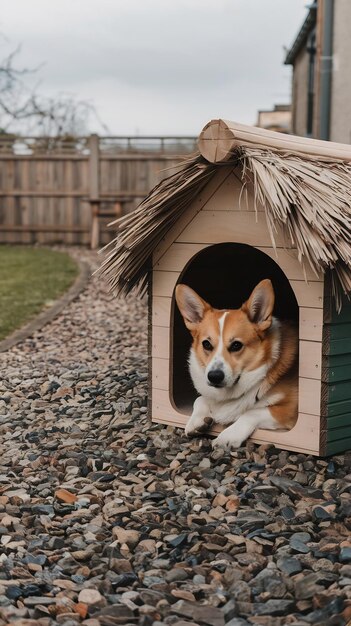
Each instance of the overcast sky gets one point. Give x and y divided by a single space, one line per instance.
158 66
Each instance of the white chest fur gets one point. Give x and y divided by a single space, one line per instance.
227 404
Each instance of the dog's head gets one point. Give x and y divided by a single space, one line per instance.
229 345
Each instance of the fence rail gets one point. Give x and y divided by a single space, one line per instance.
66 190
118 144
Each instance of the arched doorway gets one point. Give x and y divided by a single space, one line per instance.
224 275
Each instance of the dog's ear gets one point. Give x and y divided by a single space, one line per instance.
191 306
259 306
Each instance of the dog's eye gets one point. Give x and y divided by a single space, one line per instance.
207 345
235 346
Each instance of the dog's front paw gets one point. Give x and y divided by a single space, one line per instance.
227 440
198 426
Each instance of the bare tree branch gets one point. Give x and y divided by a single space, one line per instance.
23 110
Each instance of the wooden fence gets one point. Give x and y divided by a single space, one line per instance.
67 191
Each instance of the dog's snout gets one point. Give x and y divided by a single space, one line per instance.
216 377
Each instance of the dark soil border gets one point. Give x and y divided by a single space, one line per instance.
49 314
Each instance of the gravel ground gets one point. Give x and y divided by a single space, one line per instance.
106 519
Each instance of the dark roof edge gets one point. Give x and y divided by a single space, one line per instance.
302 35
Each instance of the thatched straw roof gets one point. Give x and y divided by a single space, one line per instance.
303 185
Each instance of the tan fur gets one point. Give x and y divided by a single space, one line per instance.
283 378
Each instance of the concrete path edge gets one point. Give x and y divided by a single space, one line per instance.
49 314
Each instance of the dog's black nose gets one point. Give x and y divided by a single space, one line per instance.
216 377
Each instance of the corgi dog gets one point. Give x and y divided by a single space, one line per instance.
243 363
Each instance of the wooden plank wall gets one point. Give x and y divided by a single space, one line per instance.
44 196
219 216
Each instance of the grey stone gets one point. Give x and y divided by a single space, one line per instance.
205 614
345 555
175 574
289 565
33 601
269 581
229 610
298 542
149 581
199 579
308 586
240 590
274 607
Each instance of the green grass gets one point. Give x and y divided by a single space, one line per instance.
30 279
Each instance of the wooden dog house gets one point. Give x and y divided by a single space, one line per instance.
252 204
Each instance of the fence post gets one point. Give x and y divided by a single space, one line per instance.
94 189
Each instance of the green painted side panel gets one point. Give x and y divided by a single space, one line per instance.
334 447
340 331
339 408
334 360
337 374
339 391
339 420
339 346
336 434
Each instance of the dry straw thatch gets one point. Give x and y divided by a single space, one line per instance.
139 233
309 197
